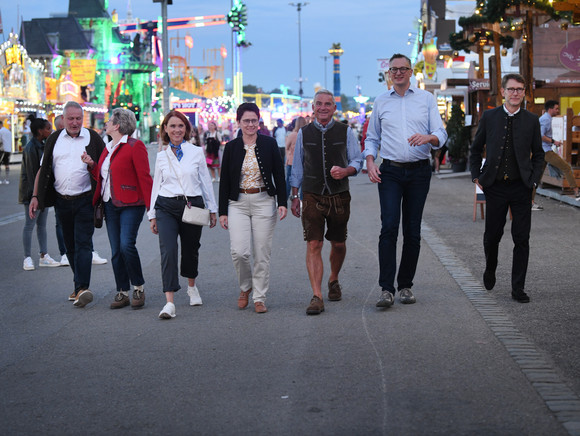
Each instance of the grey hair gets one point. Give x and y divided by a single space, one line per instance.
323 91
70 104
125 119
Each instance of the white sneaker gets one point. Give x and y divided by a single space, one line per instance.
28 264
98 260
168 311
64 261
194 298
47 261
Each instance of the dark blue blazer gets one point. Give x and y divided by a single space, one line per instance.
490 136
271 168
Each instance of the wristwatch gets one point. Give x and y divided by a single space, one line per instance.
552 140
293 197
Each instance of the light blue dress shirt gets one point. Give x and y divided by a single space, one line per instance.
354 155
546 130
395 119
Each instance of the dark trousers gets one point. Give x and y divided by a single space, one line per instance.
500 197
169 226
402 190
77 221
122 227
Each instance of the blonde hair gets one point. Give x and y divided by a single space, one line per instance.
300 122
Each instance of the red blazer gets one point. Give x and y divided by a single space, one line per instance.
129 175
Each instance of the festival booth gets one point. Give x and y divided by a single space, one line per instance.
21 89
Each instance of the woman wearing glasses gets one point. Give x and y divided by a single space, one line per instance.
252 190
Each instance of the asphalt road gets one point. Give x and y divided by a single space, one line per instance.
460 361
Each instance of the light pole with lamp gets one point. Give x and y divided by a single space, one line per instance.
165 48
325 58
299 7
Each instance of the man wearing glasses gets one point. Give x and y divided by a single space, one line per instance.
405 125
514 162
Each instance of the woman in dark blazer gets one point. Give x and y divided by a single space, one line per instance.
124 185
252 191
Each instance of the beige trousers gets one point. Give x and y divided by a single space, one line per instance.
556 161
251 222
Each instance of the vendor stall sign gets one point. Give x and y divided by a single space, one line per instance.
478 85
83 71
570 55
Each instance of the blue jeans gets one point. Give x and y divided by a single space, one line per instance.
77 221
401 190
40 221
122 227
59 237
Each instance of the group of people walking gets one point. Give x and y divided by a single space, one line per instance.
79 172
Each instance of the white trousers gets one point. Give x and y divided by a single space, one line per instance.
251 222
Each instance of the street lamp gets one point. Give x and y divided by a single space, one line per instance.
325 58
300 80
165 48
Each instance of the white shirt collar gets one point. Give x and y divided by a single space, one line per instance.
509 113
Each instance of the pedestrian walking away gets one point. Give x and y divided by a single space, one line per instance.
405 126
181 180
124 188
511 139
65 182
252 191
5 151
326 154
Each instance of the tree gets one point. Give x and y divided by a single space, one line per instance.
250 89
347 103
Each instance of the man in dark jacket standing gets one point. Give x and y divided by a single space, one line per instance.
514 161
64 182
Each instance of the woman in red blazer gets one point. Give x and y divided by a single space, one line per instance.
124 185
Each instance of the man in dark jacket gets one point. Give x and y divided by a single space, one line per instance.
512 141
64 182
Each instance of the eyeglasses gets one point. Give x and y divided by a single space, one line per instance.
515 90
403 70
251 121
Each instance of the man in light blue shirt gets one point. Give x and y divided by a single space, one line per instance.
552 109
404 126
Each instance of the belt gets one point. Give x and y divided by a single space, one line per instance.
73 197
407 165
253 190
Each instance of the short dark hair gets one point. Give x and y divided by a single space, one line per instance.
38 124
512 76
550 104
247 107
401 56
170 114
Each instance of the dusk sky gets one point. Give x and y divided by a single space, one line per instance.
367 29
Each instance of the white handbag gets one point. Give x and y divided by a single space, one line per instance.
191 214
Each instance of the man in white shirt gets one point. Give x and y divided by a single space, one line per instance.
64 182
279 134
5 150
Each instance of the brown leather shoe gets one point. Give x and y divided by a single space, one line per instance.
243 299
316 306
334 291
260 307
138 299
121 300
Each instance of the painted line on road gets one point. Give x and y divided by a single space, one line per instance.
542 375
12 218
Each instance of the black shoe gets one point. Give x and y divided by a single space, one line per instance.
488 279
520 296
